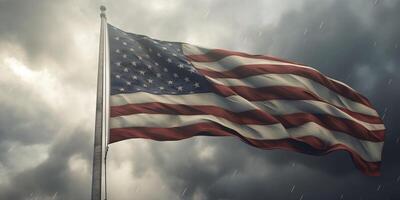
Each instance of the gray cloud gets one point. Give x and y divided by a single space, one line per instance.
46 141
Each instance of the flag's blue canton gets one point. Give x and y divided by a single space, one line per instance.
141 64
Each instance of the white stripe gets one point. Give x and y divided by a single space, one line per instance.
189 49
231 62
369 151
267 80
239 104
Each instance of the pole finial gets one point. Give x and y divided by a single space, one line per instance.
103 11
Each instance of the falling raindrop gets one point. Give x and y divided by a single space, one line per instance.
341 196
305 31
396 45
384 113
376 2
11 148
378 188
294 186
54 196
260 33
375 44
321 25
235 173
301 197
397 140
183 192
293 164
398 179
390 81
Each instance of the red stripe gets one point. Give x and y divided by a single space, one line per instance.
308 144
217 54
251 70
254 117
284 93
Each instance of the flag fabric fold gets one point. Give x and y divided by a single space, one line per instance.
170 91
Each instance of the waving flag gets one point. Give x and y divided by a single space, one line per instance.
170 91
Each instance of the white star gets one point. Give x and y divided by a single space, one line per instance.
170 82
161 88
196 85
116 38
140 47
158 75
121 89
169 44
118 51
156 64
174 54
140 58
134 77
165 48
187 79
180 88
117 76
165 69
180 65
159 54
192 70
169 60
142 72
150 81
149 66
147 56
144 85
131 49
133 63
126 70
128 83
176 75
118 64
155 42
124 43
124 56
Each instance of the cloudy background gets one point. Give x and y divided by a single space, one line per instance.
48 64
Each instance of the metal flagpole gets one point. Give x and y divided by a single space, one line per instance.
98 133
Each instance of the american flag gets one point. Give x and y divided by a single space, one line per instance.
170 91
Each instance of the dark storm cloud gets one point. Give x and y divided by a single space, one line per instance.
54 177
38 139
356 42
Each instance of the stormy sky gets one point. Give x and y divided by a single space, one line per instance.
48 65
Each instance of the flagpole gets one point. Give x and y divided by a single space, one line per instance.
98 133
